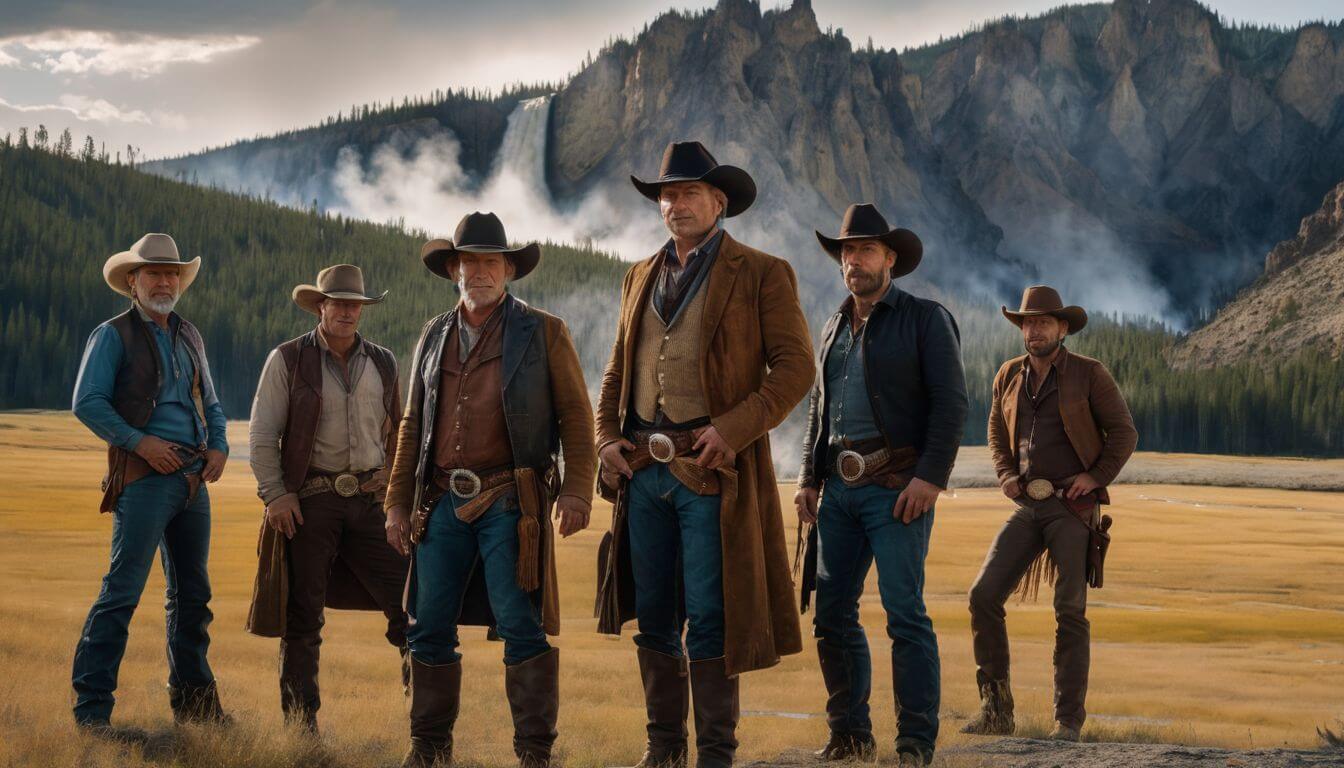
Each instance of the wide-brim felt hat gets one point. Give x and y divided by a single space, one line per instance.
154 248
1044 300
344 282
690 161
862 221
478 233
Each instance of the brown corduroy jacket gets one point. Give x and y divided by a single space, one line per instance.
756 365
1095 415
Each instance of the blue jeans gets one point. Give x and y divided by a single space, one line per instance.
855 527
675 532
444 561
153 513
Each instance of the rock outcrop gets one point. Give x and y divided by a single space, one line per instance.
1297 304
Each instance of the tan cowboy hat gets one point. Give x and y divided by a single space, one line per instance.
153 248
862 221
478 233
1044 300
342 281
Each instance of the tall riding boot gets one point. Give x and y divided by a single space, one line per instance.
714 695
667 699
533 690
996 710
435 693
845 742
197 704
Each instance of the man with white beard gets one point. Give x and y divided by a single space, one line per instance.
144 387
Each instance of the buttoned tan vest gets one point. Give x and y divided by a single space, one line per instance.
667 363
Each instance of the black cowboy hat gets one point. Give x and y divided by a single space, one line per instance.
690 161
478 233
1044 300
863 222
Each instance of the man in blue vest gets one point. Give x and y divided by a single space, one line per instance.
883 429
144 387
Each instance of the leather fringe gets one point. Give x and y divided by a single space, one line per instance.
529 552
1042 569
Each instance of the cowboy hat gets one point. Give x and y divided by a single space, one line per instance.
1044 300
478 233
151 249
690 161
344 282
863 222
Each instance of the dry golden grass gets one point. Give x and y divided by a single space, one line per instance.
1222 624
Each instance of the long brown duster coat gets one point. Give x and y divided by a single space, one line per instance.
756 365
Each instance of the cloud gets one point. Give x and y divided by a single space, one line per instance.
81 52
85 109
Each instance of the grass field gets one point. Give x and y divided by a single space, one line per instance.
1222 623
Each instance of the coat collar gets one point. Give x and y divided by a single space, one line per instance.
519 325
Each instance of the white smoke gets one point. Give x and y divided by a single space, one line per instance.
426 188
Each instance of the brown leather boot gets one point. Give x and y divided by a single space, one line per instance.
996 711
533 690
844 743
435 693
667 699
714 696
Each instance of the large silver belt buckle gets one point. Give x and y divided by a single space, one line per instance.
661 448
345 485
1040 489
851 465
464 483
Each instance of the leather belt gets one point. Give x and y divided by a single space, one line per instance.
343 484
468 484
868 459
662 446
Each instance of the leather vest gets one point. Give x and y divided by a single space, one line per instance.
471 430
534 435
139 377
303 357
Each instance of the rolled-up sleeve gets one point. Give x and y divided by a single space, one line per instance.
92 402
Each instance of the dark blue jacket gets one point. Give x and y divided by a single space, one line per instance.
912 365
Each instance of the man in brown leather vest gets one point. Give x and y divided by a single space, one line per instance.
496 394
712 351
322 438
1059 433
144 387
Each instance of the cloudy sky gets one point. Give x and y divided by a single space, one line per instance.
172 76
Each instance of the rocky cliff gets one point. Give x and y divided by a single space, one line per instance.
1142 155
1298 304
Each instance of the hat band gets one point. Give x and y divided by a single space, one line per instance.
483 248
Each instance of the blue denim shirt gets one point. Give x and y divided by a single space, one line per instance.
850 412
174 418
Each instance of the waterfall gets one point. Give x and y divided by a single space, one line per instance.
522 153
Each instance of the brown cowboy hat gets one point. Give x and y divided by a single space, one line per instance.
342 281
478 233
153 248
863 222
690 161
1044 300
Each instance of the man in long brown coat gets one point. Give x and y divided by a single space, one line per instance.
1059 433
711 352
